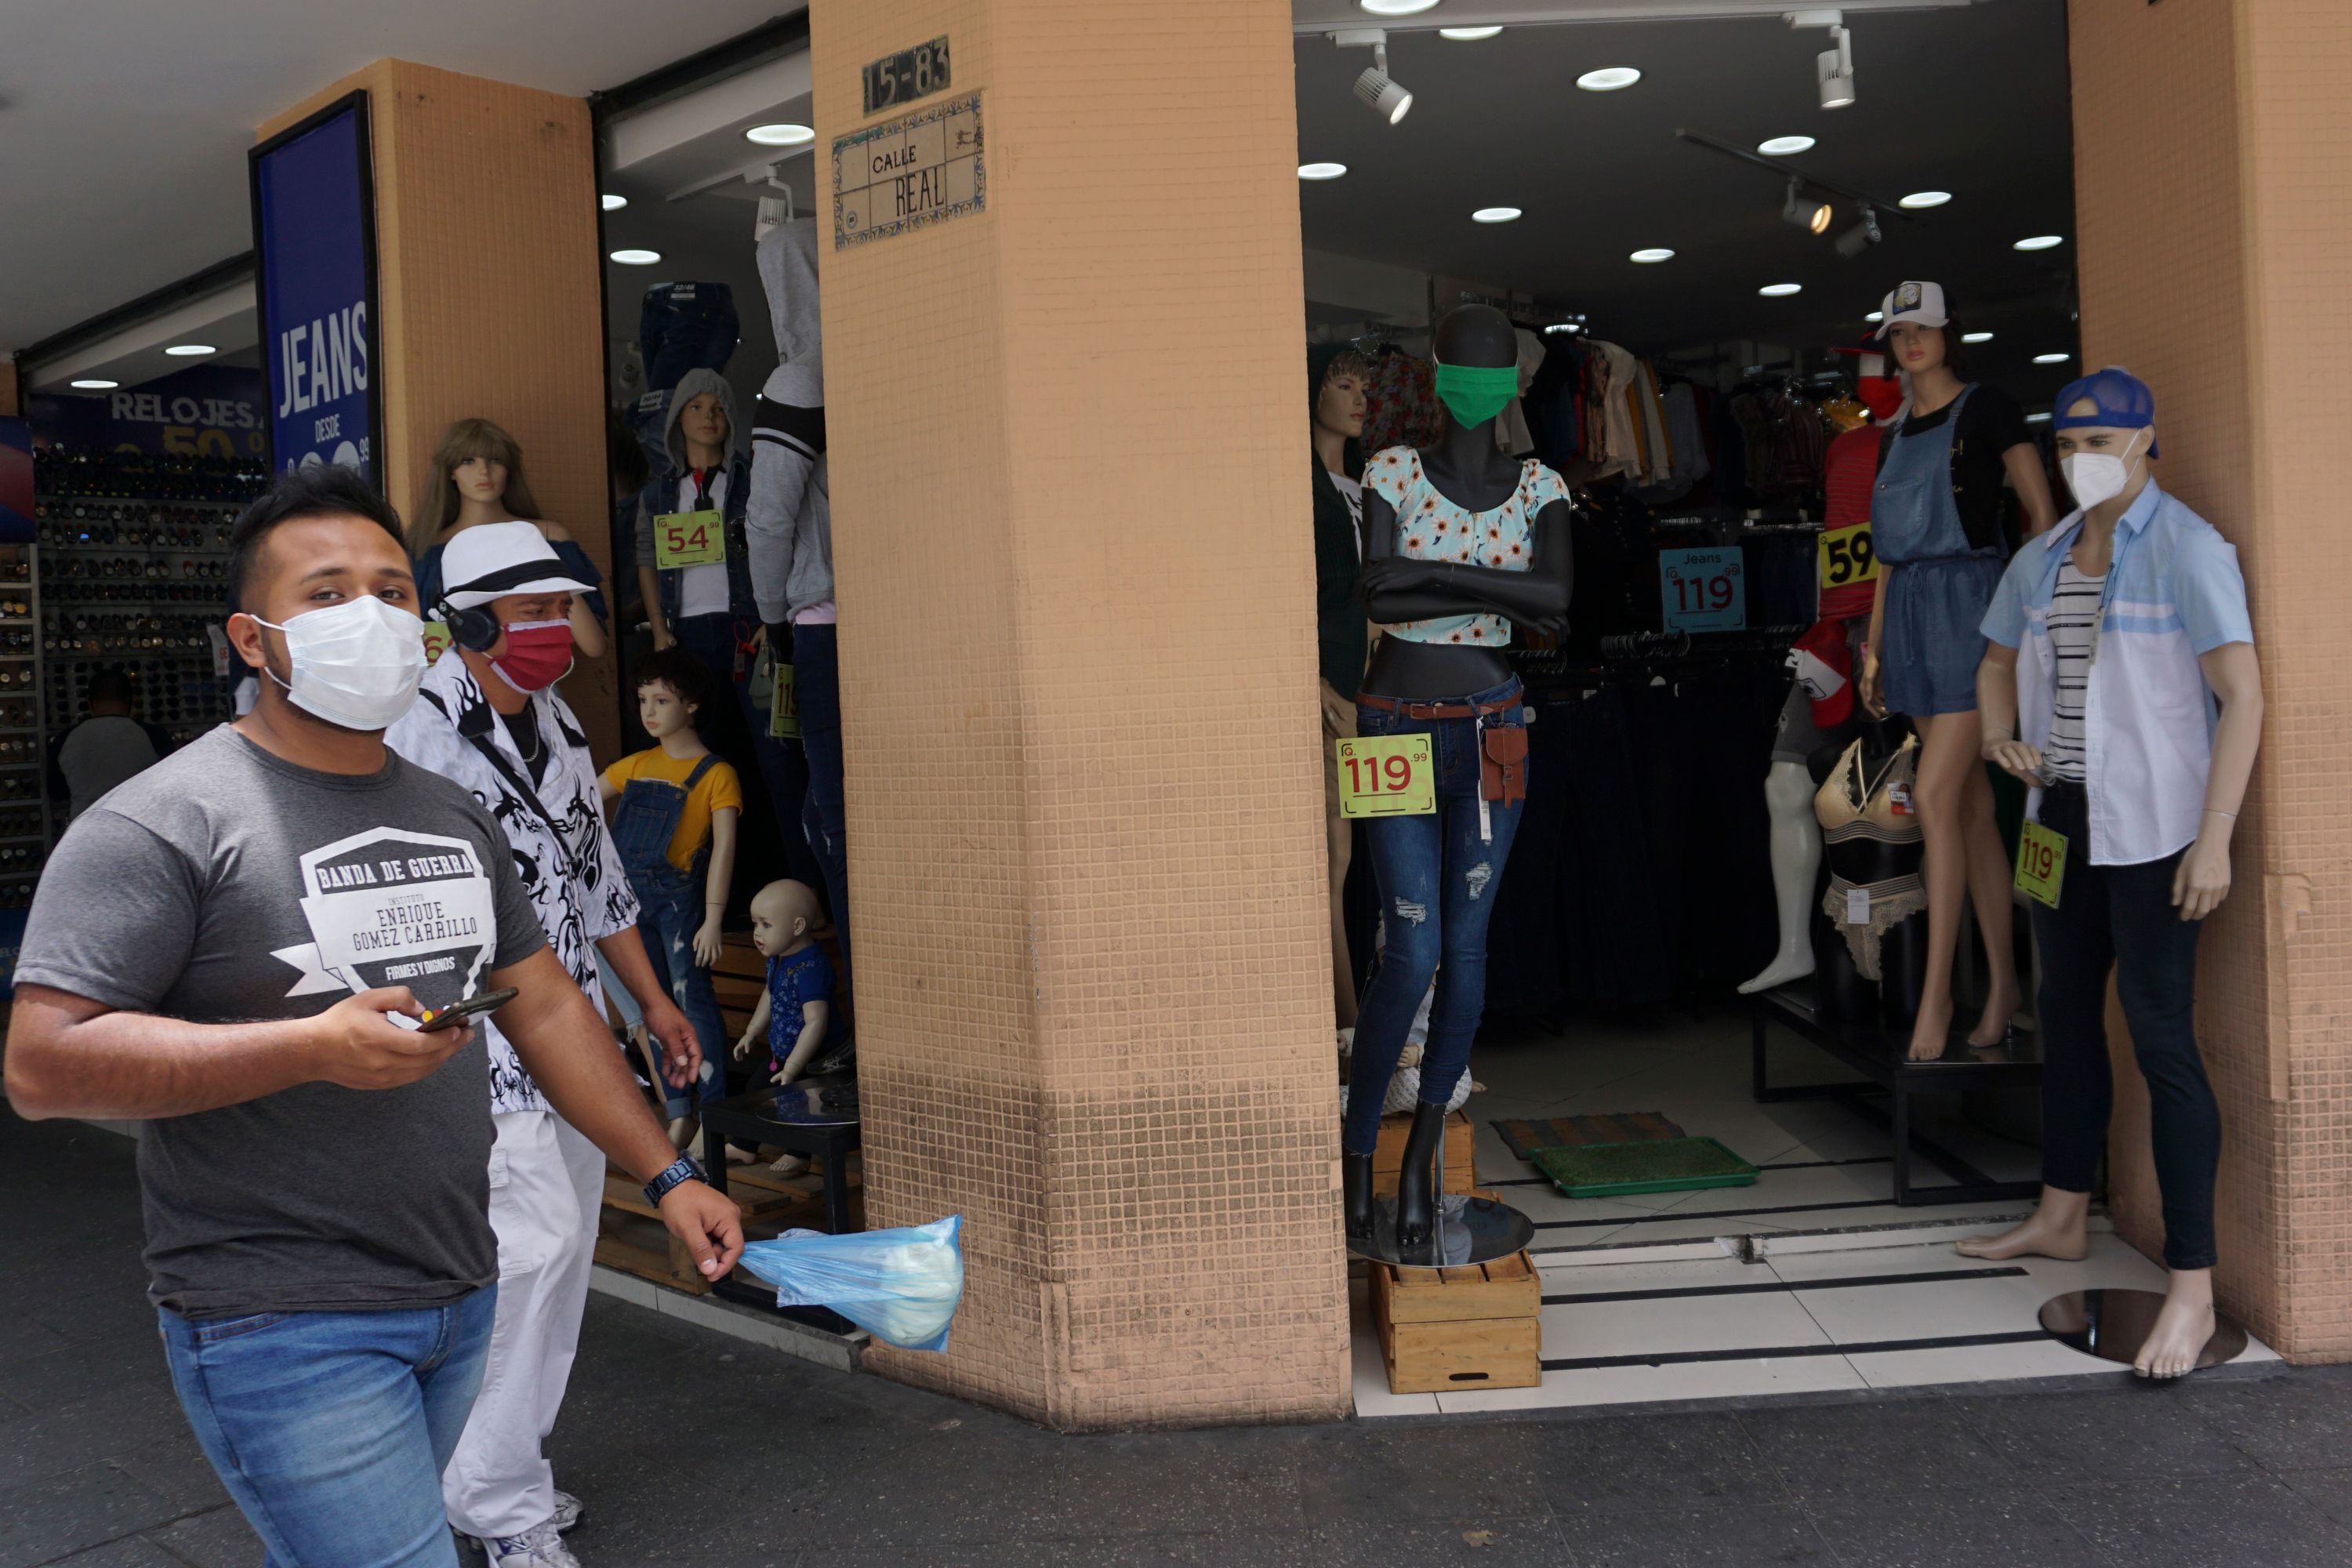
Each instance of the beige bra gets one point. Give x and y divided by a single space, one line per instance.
1847 807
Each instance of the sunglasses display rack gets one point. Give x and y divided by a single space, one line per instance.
24 829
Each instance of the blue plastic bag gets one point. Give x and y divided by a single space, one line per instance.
900 1286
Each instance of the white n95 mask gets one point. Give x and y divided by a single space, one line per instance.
2094 476
356 663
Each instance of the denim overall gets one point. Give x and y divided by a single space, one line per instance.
669 912
1942 584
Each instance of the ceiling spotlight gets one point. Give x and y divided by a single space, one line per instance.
190 351
1653 253
93 384
1806 207
1396 8
783 135
1495 215
1976 337
1918 199
1785 146
636 257
611 203
1608 78
2039 242
1379 90
1321 171
1833 69
1781 291
2052 358
1470 36
1861 236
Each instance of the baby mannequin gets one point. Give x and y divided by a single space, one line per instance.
796 1009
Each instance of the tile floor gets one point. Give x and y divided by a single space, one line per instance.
1810 1281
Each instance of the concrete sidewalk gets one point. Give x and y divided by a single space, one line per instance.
692 1448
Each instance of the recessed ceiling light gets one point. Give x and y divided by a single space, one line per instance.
2037 419
781 136
1608 78
1321 171
1785 146
190 351
1559 327
1397 8
1776 290
2052 358
636 257
1976 337
2039 242
93 384
1876 316
611 203
1918 199
1494 214
1468 35
1653 253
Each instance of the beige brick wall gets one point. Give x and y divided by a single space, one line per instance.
1070 532
2215 209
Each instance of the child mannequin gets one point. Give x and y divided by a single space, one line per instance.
796 1009
675 830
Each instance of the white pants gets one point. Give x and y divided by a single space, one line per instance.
547 1189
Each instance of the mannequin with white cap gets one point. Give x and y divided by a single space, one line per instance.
1935 524
2108 709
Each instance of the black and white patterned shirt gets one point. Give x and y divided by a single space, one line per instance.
2073 634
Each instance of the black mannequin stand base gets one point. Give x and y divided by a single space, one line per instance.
2113 1324
1469 1230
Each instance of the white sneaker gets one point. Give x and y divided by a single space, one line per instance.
538 1547
567 1511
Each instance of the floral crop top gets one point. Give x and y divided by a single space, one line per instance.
1430 528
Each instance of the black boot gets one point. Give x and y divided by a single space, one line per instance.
1416 1183
1356 1194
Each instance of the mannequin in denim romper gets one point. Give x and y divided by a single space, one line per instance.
1444 929
1924 648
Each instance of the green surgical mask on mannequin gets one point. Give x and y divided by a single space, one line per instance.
1475 393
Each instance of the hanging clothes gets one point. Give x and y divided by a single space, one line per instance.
1511 433
1554 415
1400 407
1657 445
1620 446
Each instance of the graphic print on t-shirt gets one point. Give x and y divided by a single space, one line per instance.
390 906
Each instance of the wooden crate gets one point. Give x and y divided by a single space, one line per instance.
1448 1330
1461 1153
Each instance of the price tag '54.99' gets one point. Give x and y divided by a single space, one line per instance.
690 539
1386 775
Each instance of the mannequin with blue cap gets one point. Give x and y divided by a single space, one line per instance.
2120 683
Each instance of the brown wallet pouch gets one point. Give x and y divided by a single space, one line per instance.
1503 766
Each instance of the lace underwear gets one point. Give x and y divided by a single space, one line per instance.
1891 902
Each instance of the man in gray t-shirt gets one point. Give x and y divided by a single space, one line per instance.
233 948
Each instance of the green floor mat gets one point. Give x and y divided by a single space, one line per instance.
1663 1165
1523 1138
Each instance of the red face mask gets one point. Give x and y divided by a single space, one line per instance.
1881 395
539 654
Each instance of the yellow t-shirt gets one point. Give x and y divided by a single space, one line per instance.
719 790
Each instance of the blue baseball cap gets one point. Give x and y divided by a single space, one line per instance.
2122 399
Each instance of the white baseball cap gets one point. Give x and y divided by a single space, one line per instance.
495 560
1919 303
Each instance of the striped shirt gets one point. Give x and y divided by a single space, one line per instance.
2073 632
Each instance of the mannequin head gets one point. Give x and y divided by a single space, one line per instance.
1921 350
782 913
1478 335
2083 448
477 476
702 423
671 690
1338 406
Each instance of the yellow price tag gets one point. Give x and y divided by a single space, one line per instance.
1386 775
2040 864
1847 557
436 640
784 717
690 539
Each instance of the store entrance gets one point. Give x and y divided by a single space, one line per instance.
1696 251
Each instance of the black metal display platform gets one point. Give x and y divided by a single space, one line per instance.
2113 1325
816 1119
1469 1230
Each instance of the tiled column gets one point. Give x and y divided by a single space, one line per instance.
1070 516
2216 213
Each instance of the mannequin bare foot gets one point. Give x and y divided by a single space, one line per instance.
2059 1228
788 1165
2181 1327
741 1156
1789 965
1992 1024
1931 1031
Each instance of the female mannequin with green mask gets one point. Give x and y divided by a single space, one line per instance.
1461 542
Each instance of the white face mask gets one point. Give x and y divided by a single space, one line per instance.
356 663
2094 476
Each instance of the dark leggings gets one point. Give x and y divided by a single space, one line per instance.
2121 918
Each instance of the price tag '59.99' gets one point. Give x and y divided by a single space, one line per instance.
690 539
1386 775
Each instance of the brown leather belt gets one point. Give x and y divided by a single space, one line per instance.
1427 711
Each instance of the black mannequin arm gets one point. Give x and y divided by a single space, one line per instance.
1398 590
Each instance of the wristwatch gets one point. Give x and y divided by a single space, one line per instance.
685 1168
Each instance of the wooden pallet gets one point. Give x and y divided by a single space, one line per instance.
1449 1330
1461 1153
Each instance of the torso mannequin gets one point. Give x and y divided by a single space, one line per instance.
1869 970
477 477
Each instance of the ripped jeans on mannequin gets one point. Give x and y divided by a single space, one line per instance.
1439 875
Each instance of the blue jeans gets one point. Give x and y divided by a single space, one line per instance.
816 691
735 729
332 1429
669 912
1438 876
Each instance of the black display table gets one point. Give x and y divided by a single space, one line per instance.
816 1119
1885 1067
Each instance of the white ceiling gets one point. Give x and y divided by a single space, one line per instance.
124 124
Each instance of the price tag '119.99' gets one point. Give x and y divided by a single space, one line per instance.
1386 775
2040 864
690 539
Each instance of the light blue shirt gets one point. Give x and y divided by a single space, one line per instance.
2173 593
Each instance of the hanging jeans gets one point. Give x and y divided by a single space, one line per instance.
680 327
2122 918
1438 876
738 731
816 691
669 912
